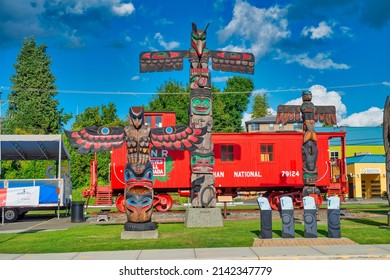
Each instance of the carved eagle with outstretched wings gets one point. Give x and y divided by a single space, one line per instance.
221 60
292 113
96 139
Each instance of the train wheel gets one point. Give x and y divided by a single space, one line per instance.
274 200
164 202
120 203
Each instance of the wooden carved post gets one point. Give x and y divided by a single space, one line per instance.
386 142
203 192
309 114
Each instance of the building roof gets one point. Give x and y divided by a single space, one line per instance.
33 147
266 120
366 159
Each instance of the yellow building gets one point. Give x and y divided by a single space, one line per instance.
366 176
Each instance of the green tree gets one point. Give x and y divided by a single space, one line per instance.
228 108
174 102
105 115
33 108
260 106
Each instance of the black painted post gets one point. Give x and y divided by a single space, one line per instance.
265 218
334 217
287 215
309 217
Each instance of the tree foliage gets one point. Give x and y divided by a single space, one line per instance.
33 108
105 115
260 106
228 108
174 102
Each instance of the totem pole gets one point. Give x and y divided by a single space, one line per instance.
203 192
309 114
138 173
386 143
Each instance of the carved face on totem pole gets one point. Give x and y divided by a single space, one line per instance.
136 116
202 163
198 39
139 192
201 104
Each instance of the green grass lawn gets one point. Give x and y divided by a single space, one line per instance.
105 237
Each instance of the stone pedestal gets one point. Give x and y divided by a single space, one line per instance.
203 217
146 234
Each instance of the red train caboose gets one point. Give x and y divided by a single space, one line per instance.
267 162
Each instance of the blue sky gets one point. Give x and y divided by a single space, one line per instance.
337 48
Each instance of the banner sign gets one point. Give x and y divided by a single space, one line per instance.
26 196
159 167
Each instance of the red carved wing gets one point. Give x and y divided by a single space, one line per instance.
95 139
177 137
288 114
233 62
162 61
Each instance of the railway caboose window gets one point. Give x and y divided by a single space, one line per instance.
158 121
266 152
227 153
148 120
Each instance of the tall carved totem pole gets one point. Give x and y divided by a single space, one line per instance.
309 114
203 192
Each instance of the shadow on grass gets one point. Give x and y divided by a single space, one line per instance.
365 222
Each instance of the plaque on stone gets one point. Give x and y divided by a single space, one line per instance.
309 217
287 215
265 218
334 230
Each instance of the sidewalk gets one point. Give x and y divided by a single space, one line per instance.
330 252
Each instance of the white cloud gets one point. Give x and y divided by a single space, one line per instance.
322 31
245 117
322 97
386 84
347 31
320 61
370 117
123 9
262 28
165 45
135 78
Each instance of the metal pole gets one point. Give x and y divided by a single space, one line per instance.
2 215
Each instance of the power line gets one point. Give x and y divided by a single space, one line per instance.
222 92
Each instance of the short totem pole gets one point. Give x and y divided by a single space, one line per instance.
203 192
139 139
309 114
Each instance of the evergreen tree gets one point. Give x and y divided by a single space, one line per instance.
33 108
260 106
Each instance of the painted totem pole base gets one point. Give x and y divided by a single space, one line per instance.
203 217
146 234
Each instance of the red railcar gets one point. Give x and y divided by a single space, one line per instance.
267 162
